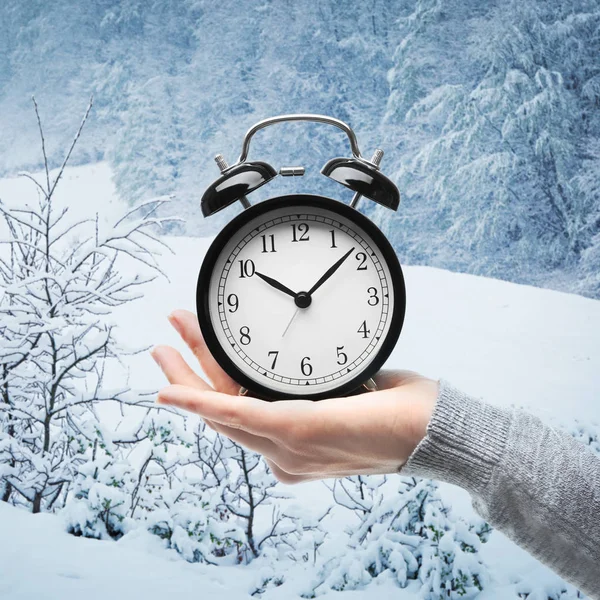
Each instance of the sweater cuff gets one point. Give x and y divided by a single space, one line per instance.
465 439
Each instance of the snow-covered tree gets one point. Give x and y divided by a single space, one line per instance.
126 476
141 168
60 279
242 488
499 155
180 501
409 536
589 282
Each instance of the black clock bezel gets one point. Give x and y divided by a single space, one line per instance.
300 200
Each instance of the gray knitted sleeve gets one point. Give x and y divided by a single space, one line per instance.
532 482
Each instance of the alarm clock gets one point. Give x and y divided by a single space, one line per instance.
300 296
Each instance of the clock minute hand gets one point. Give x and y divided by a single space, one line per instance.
276 284
330 272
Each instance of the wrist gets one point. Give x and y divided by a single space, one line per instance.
412 402
424 400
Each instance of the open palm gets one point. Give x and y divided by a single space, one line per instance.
302 440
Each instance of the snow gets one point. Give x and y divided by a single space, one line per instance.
511 344
42 561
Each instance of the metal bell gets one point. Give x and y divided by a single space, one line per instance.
365 179
235 183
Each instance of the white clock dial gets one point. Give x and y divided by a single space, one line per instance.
297 343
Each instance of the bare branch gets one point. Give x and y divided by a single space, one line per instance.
35 181
73 143
41 130
158 201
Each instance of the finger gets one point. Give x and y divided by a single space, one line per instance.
176 370
186 324
253 442
240 412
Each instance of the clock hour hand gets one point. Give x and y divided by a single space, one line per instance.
330 272
276 284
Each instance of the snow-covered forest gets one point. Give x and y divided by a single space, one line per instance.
488 111
489 115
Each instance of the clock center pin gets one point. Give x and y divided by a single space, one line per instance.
303 299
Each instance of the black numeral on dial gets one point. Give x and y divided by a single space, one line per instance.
373 297
245 338
233 302
300 232
361 257
363 330
306 367
332 232
268 243
341 356
247 268
274 354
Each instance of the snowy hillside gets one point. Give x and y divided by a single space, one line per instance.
511 344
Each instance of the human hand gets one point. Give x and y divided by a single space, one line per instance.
302 440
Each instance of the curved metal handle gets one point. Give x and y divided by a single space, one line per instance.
299 117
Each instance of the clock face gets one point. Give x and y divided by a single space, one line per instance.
300 296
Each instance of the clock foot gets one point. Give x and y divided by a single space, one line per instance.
369 386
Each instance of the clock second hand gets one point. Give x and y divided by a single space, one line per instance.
291 320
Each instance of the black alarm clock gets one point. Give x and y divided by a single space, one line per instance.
301 296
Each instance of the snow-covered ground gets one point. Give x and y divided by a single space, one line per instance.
511 344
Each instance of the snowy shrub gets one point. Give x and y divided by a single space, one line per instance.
194 530
407 536
209 499
243 492
61 280
108 488
450 566
176 504
266 577
99 502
